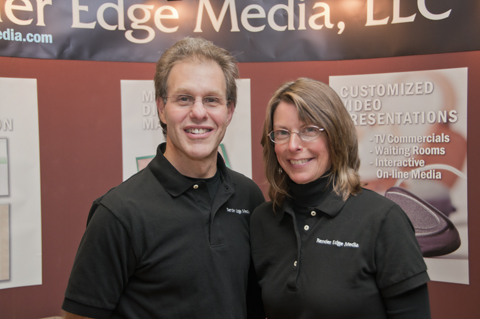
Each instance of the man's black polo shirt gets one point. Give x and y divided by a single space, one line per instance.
153 248
340 262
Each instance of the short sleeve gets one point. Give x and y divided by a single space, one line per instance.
102 266
400 265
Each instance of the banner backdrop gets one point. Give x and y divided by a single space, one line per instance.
253 30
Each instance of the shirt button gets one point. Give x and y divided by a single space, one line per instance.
195 186
295 264
306 227
313 213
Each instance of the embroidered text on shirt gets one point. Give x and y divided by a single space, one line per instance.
337 243
238 211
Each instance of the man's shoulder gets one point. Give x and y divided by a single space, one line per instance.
245 187
241 180
139 188
136 184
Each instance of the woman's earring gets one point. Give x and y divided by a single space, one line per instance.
280 170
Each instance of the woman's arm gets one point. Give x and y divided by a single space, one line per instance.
412 304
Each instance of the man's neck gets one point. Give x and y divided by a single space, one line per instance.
191 167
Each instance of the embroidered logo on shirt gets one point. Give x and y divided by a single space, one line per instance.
337 243
238 211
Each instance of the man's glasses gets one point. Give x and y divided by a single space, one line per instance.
307 134
188 100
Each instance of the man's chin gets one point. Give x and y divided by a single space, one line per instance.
202 152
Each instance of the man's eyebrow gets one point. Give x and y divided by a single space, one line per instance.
186 91
180 91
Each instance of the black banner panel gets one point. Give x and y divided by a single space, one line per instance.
253 30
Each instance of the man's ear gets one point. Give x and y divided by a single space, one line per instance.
161 110
231 110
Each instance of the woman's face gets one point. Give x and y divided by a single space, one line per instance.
303 161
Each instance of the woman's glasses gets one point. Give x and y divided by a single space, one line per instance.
307 134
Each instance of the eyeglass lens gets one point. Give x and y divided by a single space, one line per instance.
308 133
189 100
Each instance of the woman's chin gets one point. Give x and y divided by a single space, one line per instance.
299 179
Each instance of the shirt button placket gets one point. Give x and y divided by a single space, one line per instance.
292 279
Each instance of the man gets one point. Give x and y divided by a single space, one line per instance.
173 240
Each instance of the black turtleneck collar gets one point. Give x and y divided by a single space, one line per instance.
317 195
310 194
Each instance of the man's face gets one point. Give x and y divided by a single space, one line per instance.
194 131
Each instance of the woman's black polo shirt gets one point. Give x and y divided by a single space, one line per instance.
340 263
153 248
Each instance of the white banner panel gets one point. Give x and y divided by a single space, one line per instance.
20 214
412 129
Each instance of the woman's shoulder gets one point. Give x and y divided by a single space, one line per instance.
367 195
264 207
263 211
371 201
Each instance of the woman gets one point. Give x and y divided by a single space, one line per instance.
324 247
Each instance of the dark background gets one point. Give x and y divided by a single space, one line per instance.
459 32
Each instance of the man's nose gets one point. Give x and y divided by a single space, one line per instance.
198 109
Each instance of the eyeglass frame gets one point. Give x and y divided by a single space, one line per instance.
223 101
320 131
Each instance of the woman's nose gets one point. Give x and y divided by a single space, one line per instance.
295 142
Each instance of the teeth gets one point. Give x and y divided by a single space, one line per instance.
197 130
297 162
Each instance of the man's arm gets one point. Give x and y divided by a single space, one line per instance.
103 260
69 315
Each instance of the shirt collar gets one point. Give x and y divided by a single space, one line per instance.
171 179
320 197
